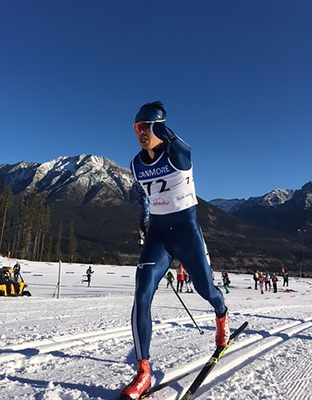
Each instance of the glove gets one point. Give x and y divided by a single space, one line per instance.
142 233
144 227
141 239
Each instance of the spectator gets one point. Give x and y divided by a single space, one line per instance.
180 277
285 278
261 282
274 282
256 278
268 281
16 271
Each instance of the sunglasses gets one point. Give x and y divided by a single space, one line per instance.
141 126
145 125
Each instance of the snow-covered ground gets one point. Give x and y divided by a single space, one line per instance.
79 346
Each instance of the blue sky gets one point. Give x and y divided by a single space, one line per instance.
234 75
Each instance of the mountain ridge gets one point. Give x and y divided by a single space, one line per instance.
97 195
285 210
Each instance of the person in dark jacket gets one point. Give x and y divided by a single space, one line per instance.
16 270
285 278
274 283
256 278
170 277
89 273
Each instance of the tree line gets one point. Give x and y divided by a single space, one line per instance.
25 229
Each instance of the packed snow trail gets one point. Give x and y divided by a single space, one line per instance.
80 346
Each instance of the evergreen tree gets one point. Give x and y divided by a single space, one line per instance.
30 222
58 245
45 225
18 225
72 246
6 201
49 247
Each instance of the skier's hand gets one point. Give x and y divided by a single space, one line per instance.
144 228
141 238
142 233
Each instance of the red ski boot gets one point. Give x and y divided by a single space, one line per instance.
222 330
140 383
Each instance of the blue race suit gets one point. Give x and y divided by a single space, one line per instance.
166 183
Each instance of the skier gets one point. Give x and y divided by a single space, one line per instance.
180 277
89 273
170 277
226 281
166 200
188 281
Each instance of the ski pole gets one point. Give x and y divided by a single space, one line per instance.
200 330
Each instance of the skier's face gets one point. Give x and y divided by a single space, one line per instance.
145 136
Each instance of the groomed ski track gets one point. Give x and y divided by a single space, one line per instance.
252 345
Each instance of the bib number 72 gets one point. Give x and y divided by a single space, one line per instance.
163 185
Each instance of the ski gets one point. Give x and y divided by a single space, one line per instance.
206 369
211 363
162 385
149 392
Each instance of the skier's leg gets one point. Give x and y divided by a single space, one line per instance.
153 264
194 260
192 253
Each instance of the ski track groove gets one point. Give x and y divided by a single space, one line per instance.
64 342
253 349
295 381
254 345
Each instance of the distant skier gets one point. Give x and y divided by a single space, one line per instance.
188 281
89 273
170 277
226 281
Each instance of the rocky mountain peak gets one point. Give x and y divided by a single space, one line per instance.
277 197
81 179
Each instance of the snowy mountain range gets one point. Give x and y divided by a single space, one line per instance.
271 199
84 179
281 209
96 194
